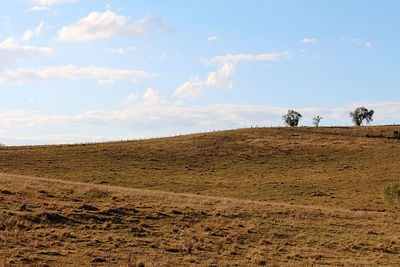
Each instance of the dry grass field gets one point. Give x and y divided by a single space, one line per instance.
248 197
337 167
47 222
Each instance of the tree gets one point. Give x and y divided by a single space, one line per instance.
316 120
361 114
292 118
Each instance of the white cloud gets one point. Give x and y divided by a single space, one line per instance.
351 40
107 25
11 53
31 33
229 58
38 8
132 97
309 40
357 41
153 113
105 82
212 38
168 118
162 56
56 139
153 97
52 2
130 100
190 90
70 72
118 51
221 77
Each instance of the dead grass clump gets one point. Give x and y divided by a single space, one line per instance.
316 256
174 247
391 193
23 207
133 262
107 225
233 250
137 230
7 223
53 217
189 245
96 193
219 247
66 234
259 260
9 231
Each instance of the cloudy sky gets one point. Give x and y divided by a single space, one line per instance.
79 70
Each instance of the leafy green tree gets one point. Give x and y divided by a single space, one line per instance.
292 118
316 120
361 114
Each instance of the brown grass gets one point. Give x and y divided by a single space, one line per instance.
63 224
310 166
250 197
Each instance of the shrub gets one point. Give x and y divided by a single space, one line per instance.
390 193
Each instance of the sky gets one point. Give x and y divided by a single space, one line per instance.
74 71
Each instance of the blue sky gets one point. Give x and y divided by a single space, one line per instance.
82 71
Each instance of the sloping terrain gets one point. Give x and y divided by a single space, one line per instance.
336 166
54 223
249 197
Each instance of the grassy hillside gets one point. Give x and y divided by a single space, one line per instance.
336 166
56 223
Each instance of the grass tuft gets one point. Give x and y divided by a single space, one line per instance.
391 193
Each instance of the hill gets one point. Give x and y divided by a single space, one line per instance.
336 166
248 197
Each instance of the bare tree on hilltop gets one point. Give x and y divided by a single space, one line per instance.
316 120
